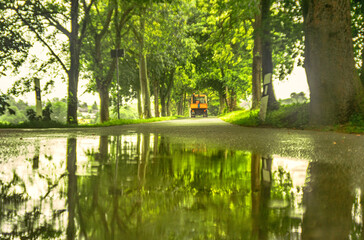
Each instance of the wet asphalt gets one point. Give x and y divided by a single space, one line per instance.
331 147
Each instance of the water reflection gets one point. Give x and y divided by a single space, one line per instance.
146 187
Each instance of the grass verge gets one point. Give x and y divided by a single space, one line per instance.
54 124
287 116
295 116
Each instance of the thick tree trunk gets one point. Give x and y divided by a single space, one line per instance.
267 63
74 68
336 91
104 104
257 63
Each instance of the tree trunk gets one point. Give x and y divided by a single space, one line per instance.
140 109
180 104
168 106
103 82
74 67
184 103
222 97
267 63
156 98
257 63
144 83
104 104
232 100
165 93
227 98
163 105
168 102
336 91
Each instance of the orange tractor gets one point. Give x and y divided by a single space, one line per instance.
198 105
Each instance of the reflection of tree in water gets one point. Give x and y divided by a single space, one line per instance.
26 218
328 200
169 190
145 187
283 204
272 201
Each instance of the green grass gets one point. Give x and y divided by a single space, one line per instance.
54 124
294 116
287 116
355 125
243 117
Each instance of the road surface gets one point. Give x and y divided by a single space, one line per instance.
312 145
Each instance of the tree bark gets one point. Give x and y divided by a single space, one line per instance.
267 63
336 91
104 104
232 100
144 83
257 63
73 72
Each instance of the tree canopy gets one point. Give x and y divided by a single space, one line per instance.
172 49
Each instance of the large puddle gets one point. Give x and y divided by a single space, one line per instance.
145 187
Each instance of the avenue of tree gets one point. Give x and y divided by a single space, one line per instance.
175 48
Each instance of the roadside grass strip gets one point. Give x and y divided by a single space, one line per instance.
55 124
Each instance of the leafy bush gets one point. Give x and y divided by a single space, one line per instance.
32 115
291 116
46 114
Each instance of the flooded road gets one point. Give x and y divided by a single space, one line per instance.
182 179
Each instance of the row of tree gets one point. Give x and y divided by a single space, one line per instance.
225 47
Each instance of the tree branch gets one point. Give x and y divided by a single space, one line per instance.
39 37
87 15
54 22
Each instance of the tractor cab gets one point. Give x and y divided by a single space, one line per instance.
198 105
